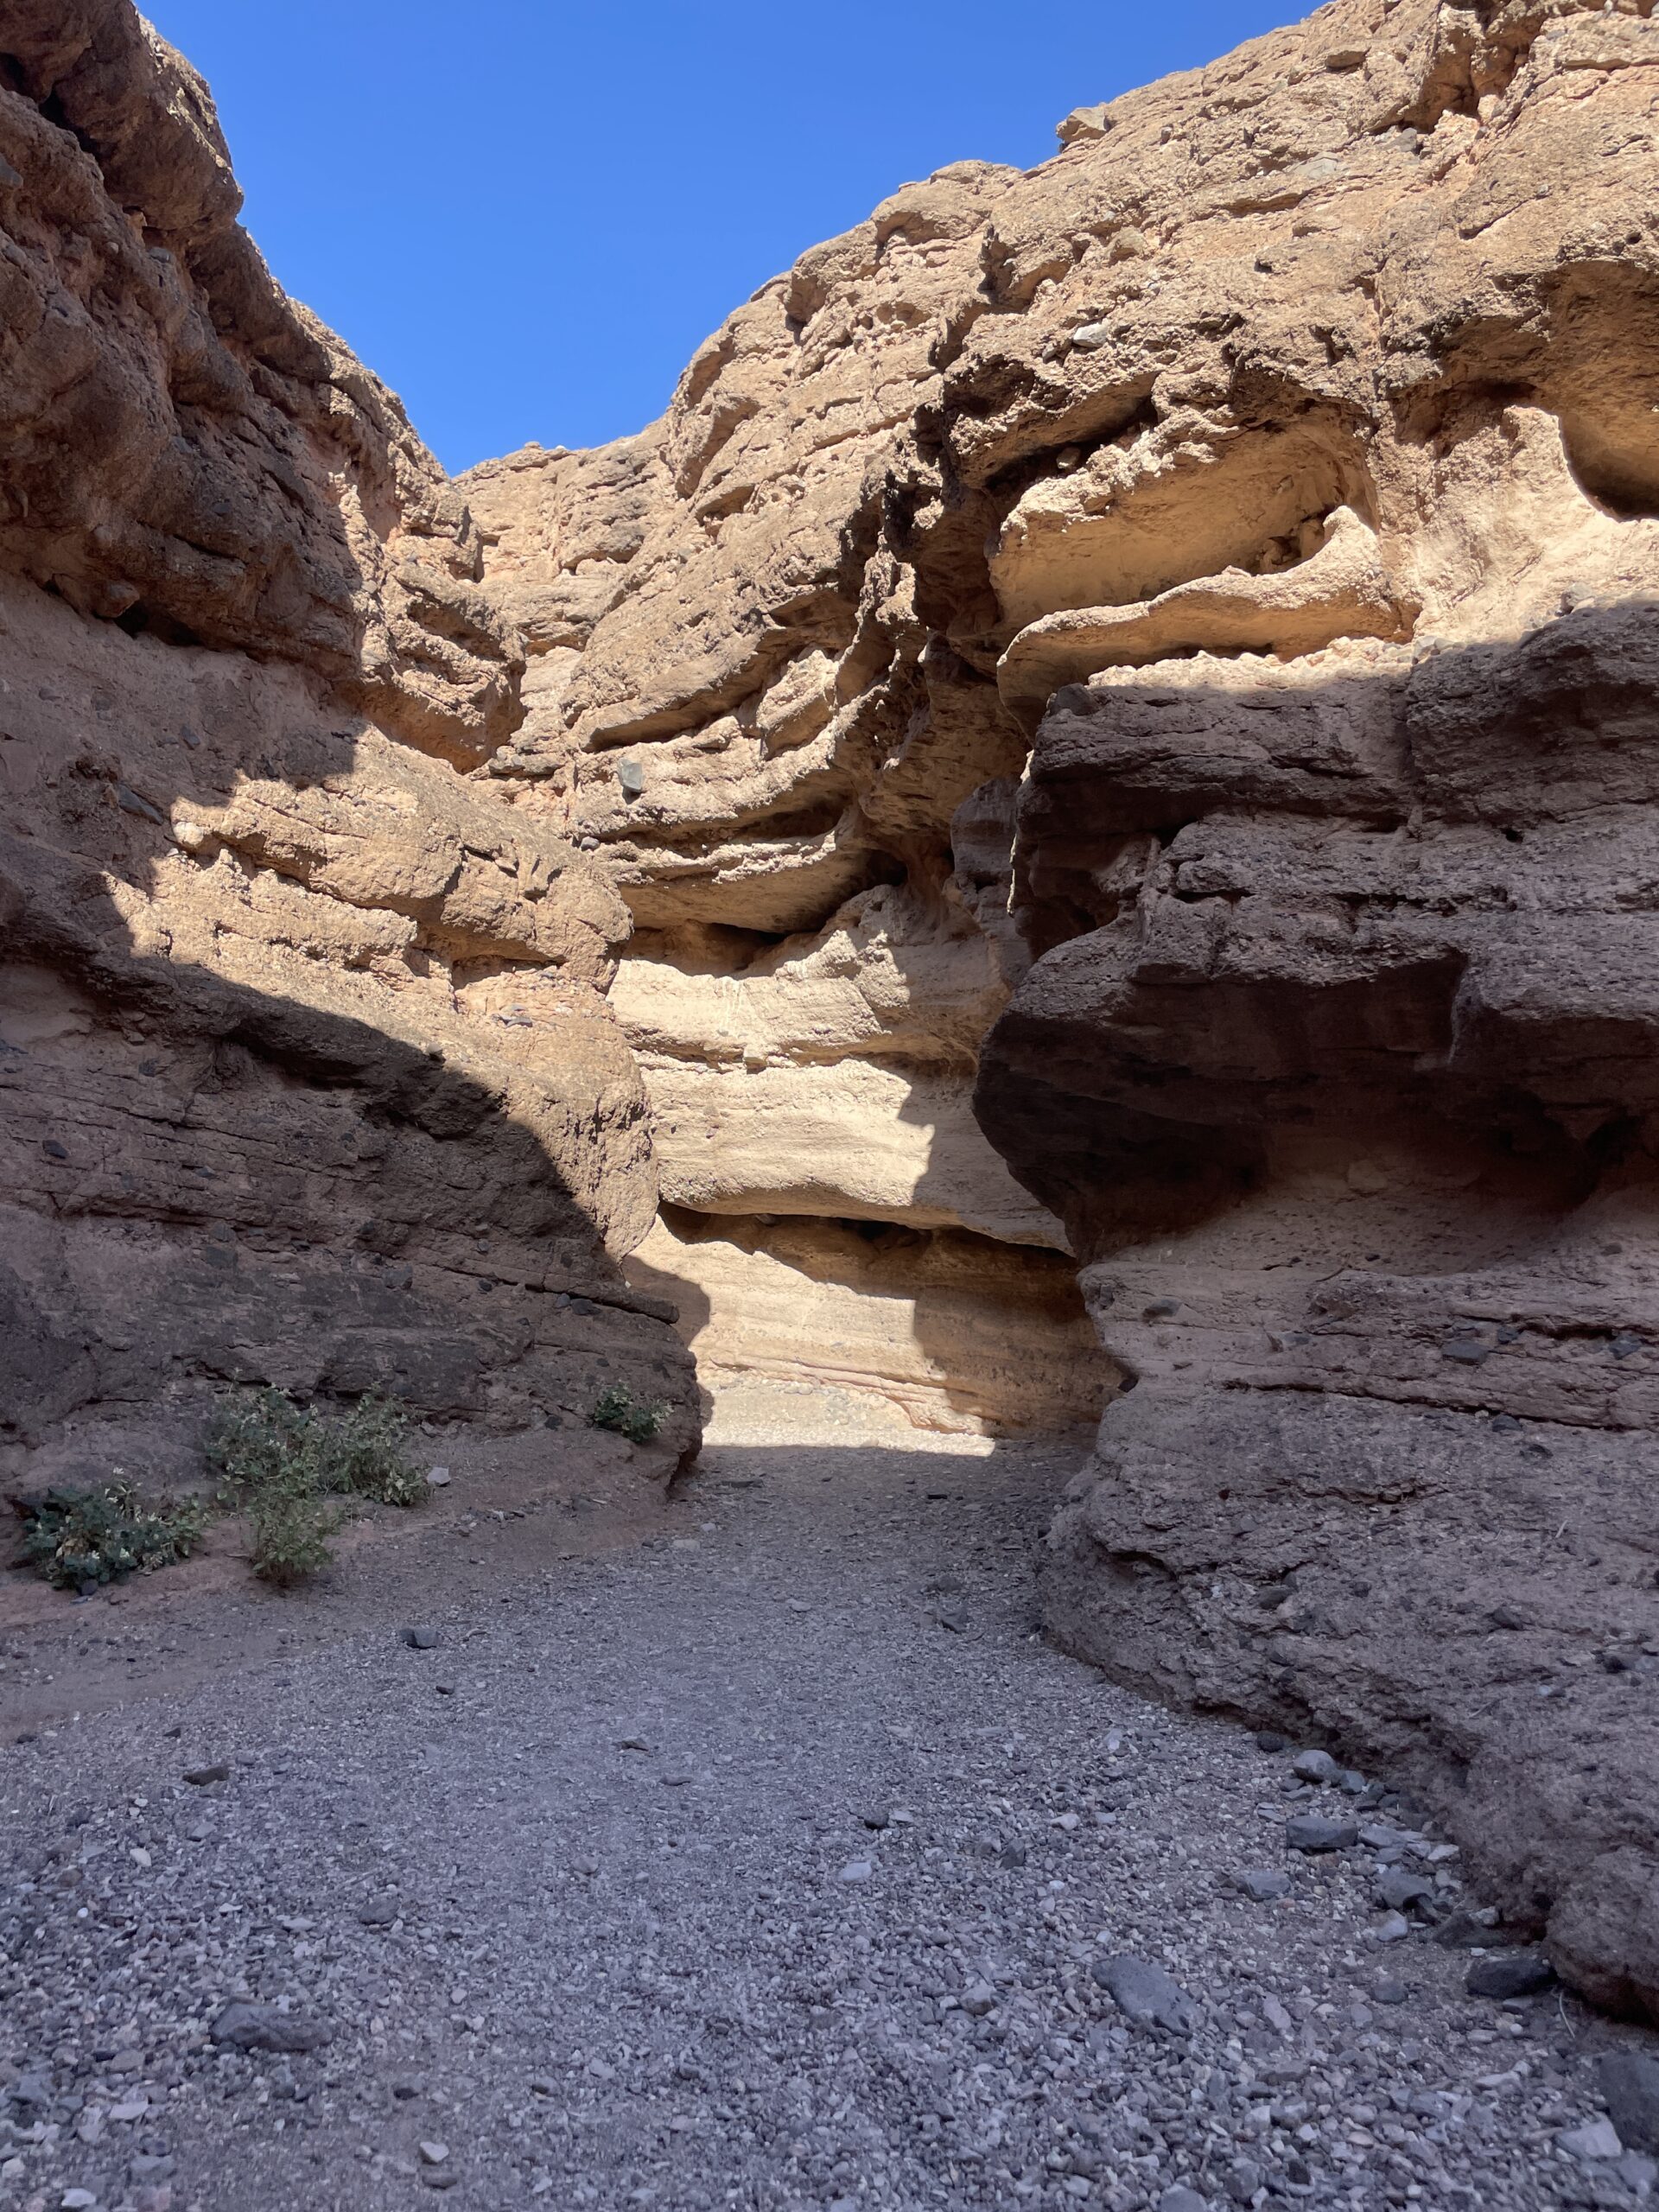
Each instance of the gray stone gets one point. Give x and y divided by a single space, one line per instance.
632 777
1510 1973
422 1639
201 1776
1385 1990
1311 1832
1315 1766
1263 1884
1182 2199
266 2027
1145 1994
1629 2082
1594 2140
379 1912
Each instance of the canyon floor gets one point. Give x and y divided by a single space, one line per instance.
764 1855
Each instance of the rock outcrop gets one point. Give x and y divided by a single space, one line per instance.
1336 846
306 1070
1279 464
1111 725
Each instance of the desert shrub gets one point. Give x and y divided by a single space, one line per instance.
364 1455
618 1408
282 1462
291 1532
78 1539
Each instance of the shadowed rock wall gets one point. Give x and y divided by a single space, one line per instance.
1281 461
306 1072
1111 721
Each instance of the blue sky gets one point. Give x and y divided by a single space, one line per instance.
527 214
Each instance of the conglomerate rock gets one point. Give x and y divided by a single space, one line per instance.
305 1071
1117 707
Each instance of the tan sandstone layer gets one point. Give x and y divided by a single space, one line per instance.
307 1071
1281 461
1117 708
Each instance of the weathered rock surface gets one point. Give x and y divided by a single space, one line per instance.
1282 463
1188 611
1336 848
955 1331
308 1074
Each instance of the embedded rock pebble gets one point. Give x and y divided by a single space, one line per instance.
1311 1832
1510 1973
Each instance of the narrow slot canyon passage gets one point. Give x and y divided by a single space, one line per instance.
768 1855
830 1244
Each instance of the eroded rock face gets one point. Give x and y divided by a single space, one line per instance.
1115 715
1281 463
1336 847
307 1073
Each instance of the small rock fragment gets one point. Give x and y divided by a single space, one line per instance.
1629 2082
1145 1994
267 2027
1510 1973
421 1639
201 1776
1263 1884
1595 2138
1310 1832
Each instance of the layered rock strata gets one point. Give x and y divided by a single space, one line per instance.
1280 462
1114 714
307 1071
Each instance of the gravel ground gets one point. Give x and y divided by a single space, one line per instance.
774 1861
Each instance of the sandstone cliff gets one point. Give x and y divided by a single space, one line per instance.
1280 462
1109 725
308 1075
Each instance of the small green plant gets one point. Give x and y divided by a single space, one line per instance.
366 1455
282 1461
77 1539
291 1534
618 1408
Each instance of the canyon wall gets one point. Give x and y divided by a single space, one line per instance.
1106 737
1277 467
307 1074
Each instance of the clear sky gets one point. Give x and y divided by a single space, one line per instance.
527 214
